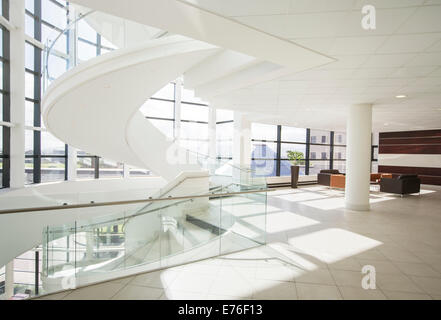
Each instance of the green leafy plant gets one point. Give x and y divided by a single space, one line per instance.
296 157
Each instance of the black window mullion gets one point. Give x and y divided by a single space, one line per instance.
308 148
279 149
5 9
331 151
66 165
98 44
96 167
37 93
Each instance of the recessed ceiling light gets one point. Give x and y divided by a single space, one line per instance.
401 96
386 124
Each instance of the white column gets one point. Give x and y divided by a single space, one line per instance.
17 63
71 163
178 99
9 280
212 138
126 171
358 153
241 140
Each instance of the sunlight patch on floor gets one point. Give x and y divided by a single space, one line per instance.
332 245
326 204
304 196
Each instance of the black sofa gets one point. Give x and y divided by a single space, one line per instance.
324 177
403 184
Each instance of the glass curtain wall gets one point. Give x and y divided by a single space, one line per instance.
224 134
45 155
314 150
194 123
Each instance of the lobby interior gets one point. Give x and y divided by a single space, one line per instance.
294 156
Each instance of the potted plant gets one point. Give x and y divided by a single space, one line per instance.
296 159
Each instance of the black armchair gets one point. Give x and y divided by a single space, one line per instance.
404 184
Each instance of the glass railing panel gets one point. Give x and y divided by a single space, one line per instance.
244 218
60 257
142 239
172 230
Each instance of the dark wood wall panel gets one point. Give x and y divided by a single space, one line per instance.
410 149
427 142
419 140
410 170
407 134
427 175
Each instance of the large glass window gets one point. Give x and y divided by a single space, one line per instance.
224 134
314 150
45 155
264 150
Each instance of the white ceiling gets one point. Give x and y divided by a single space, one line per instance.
402 56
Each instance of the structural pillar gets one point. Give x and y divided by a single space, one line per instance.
126 171
178 99
17 63
72 158
9 280
212 139
358 153
241 145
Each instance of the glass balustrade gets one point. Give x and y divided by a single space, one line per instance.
118 240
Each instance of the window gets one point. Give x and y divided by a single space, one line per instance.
264 151
291 134
110 169
45 155
314 149
160 111
339 152
266 132
224 134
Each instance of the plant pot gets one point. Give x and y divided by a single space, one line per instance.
294 176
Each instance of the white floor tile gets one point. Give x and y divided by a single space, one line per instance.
352 293
417 269
274 290
396 283
317 292
132 292
192 282
431 286
158 279
102 291
397 295
319 276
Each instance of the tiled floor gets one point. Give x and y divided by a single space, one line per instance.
316 250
